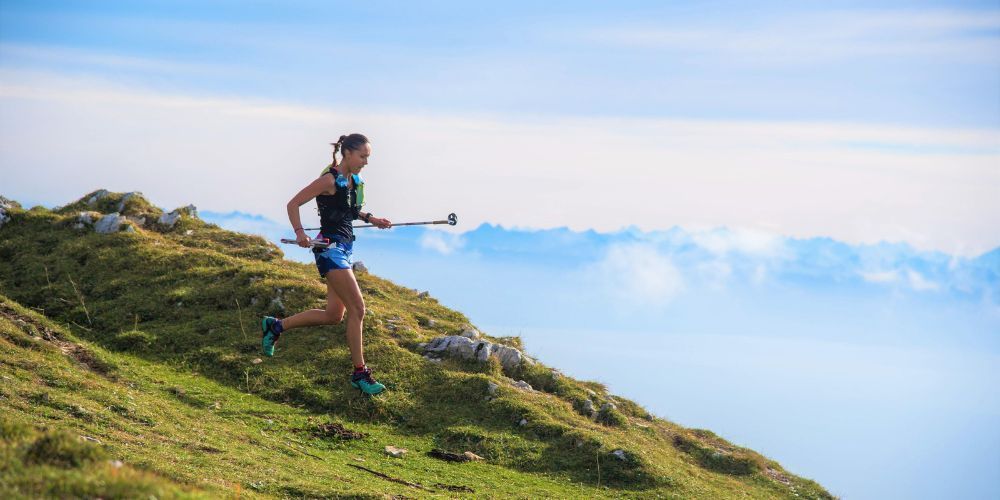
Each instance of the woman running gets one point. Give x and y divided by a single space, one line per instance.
339 193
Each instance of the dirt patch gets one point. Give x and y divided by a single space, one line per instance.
453 457
79 353
777 476
85 358
335 431
454 487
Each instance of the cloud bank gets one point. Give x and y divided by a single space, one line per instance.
795 179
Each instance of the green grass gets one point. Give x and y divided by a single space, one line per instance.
146 342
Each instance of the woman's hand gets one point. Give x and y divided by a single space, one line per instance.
301 238
380 223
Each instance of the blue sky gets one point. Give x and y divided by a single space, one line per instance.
790 209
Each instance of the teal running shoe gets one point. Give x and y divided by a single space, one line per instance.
364 382
268 335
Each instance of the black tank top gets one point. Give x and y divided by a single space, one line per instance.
338 211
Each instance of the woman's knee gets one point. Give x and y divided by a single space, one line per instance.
335 316
356 310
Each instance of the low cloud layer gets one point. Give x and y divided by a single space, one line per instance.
859 184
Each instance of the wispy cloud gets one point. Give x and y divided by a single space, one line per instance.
722 241
441 242
880 276
919 283
790 178
816 38
638 275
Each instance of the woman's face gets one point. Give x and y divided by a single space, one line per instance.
357 159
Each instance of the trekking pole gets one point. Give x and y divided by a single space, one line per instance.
451 221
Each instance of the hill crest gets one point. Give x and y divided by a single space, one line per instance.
183 296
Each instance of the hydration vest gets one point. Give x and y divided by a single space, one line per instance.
338 211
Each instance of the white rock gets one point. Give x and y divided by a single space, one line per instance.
128 196
110 223
492 387
277 303
467 348
169 219
189 232
608 406
423 295
359 267
100 194
520 384
523 422
619 453
85 218
129 228
469 332
393 451
5 206
510 357
588 407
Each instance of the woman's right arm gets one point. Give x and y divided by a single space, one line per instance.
315 188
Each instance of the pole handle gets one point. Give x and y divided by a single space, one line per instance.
312 243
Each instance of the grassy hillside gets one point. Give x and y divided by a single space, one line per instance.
145 341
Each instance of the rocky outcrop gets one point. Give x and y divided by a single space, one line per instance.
5 209
110 223
125 199
480 350
168 220
98 196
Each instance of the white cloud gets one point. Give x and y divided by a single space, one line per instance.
714 273
919 283
818 38
909 277
722 241
791 178
880 276
442 242
639 275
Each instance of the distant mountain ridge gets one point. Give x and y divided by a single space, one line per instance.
743 252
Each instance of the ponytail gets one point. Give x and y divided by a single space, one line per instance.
347 142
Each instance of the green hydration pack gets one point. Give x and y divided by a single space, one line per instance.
341 181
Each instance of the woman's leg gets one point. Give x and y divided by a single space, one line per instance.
332 315
346 288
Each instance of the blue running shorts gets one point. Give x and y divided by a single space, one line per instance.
335 256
